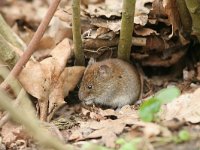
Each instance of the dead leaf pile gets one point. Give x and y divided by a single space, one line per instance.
112 124
157 24
105 19
49 81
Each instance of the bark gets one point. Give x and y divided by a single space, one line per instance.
125 42
185 16
76 28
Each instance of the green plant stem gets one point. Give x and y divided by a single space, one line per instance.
76 28
194 9
31 124
125 42
7 55
32 46
13 82
185 16
9 35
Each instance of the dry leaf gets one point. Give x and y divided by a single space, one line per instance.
170 8
107 9
186 107
45 79
146 32
22 9
9 133
113 25
72 77
104 128
141 12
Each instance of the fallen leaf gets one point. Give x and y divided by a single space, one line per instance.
104 128
9 133
45 80
107 9
141 11
186 107
72 77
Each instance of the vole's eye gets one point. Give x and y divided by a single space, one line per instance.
89 86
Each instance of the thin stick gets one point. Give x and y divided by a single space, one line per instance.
10 36
36 39
76 27
31 124
32 45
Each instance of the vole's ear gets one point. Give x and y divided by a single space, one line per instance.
105 71
91 61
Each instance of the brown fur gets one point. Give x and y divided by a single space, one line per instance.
111 82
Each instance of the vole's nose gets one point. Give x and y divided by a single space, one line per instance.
81 95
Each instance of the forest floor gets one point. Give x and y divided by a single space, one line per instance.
175 127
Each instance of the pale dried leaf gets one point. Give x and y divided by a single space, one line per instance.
149 129
9 132
33 80
141 12
186 107
59 30
22 9
106 9
72 77
104 128
173 15
64 15
45 79
113 25
76 135
146 32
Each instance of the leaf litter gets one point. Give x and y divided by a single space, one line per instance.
50 81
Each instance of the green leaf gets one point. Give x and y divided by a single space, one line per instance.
167 95
128 146
184 135
91 146
132 145
120 141
148 109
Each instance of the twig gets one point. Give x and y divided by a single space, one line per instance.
7 55
96 43
34 42
10 36
185 16
76 28
4 71
125 42
31 124
6 117
194 7
14 86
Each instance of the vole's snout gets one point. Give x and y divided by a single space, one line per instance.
80 95
85 97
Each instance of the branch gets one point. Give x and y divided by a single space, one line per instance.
194 9
185 16
125 42
9 35
76 28
30 122
34 42
7 54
